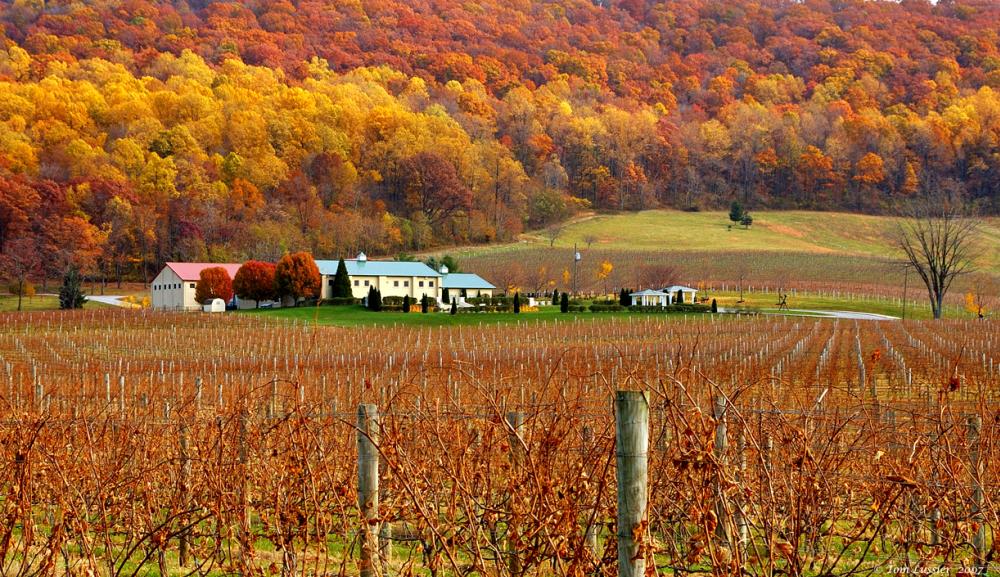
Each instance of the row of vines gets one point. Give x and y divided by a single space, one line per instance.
153 444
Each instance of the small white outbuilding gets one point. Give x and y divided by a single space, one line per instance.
215 306
650 298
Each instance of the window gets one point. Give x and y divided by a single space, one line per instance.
395 283
357 282
406 283
366 283
430 283
329 282
421 283
192 285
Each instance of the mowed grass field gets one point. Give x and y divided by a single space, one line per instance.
836 255
674 231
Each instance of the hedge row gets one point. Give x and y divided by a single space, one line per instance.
682 308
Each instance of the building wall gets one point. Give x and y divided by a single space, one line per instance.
169 292
469 293
389 286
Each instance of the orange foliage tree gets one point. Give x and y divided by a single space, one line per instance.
297 276
255 281
213 283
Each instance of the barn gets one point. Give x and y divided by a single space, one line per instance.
174 287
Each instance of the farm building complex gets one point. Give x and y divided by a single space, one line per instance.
174 287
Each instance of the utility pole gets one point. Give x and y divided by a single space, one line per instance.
576 260
906 278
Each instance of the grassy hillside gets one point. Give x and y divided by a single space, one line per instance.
814 251
787 231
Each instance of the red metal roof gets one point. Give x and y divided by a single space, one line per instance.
192 270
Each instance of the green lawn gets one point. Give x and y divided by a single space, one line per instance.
8 303
358 316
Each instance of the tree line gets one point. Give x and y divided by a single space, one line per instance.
146 132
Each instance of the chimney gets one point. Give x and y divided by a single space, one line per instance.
362 257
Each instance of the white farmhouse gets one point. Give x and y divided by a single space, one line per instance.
401 278
391 278
174 287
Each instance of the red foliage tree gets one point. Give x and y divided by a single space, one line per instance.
297 276
433 187
213 283
255 281
20 261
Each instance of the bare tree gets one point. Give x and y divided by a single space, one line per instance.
657 275
19 262
553 233
938 244
589 239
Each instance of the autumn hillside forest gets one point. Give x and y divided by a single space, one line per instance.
134 132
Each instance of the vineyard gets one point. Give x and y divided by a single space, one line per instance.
156 444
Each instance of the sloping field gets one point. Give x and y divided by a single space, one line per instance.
816 251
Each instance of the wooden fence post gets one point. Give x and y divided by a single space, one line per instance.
515 420
975 469
368 486
631 456
719 411
185 480
590 528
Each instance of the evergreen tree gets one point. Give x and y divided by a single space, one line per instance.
370 299
377 305
736 211
517 303
624 299
564 303
747 220
454 308
406 303
425 304
715 306
70 294
341 283
555 296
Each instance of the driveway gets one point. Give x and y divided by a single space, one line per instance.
850 315
115 301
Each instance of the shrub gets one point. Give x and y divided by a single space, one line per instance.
605 307
342 301
406 304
